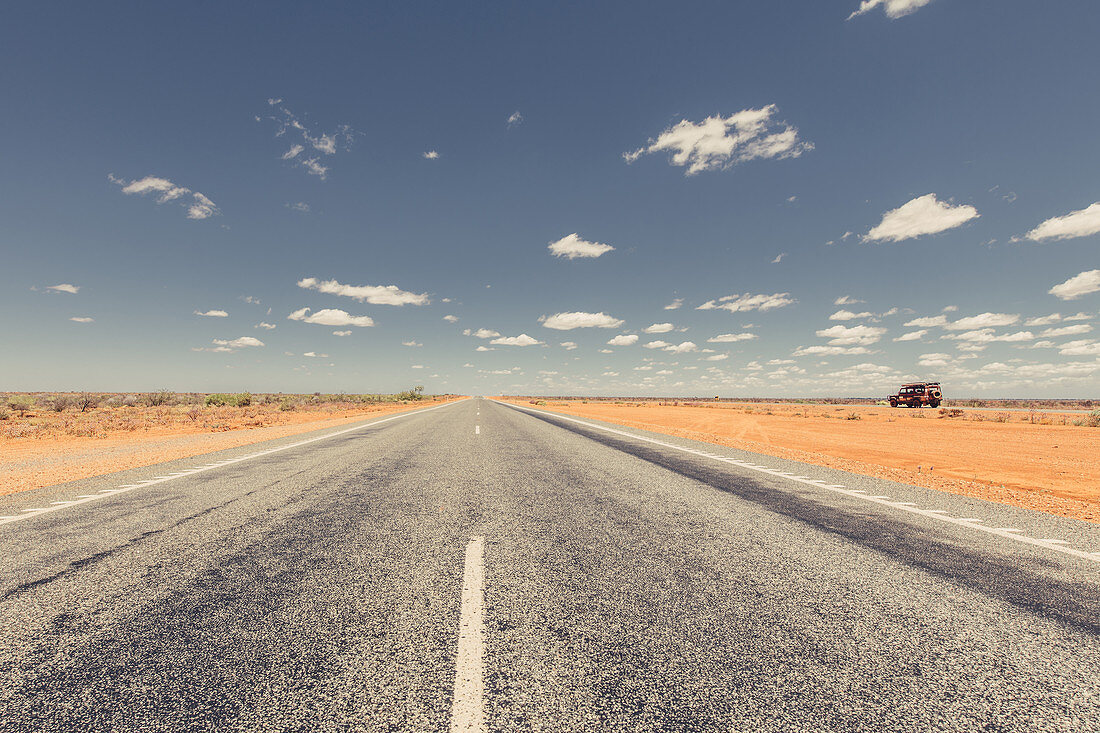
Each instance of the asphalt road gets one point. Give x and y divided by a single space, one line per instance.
556 574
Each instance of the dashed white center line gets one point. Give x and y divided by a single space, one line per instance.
467 706
477 430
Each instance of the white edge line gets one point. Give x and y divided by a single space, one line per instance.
104 493
1007 532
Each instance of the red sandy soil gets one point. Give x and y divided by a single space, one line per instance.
1051 468
55 457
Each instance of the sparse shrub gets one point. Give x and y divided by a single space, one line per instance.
194 413
160 398
1000 417
952 412
87 401
243 399
219 400
1093 420
853 416
4 412
21 403
61 402
129 400
288 405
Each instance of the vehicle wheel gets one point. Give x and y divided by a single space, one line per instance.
915 403
934 404
893 403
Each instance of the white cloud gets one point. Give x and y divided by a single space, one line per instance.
729 338
1082 316
1082 223
675 304
514 119
927 322
212 314
847 300
331 317
569 345
579 319
431 155
301 207
748 302
484 348
717 357
265 325
324 143
64 288
830 350
1044 320
1078 285
481 333
779 258
315 355
892 8
341 333
912 336
239 343
983 320
1075 330
413 343
624 340
659 328
521 340
846 315
199 207
988 335
922 215
1084 347
717 143
852 336
373 294
450 318
572 246
934 360
657 345
82 319
606 351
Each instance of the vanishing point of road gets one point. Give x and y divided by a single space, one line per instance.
481 566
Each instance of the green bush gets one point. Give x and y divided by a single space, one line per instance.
160 398
21 403
1093 420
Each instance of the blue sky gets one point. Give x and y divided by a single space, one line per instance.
836 201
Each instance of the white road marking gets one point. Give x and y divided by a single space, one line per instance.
103 493
467 707
477 430
1006 532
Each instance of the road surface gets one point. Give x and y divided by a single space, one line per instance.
477 566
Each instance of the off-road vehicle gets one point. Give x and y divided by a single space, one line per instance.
917 394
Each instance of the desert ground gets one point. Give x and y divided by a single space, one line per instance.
47 439
1048 461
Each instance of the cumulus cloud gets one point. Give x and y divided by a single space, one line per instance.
431 155
63 288
579 319
212 314
830 350
675 304
265 324
198 207
413 342
301 207
846 300
1078 285
239 343
315 355
572 247
481 333
1084 347
659 328
983 320
847 315
521 340
988 335
927 322
327 144
514 119
484 348
748 302
624 340
1074 330
1082 223
912 336
892 8
657 344
450 318
717 357
934 360
1044 320
852 335
331 317
373 294
717 143
568 345
729 338
82 319
341 333
921 216
779 258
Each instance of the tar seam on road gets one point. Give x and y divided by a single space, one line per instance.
104 493
467 707
937 514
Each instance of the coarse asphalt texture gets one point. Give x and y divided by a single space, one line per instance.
627 586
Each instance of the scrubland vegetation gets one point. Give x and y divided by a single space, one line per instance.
97 414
